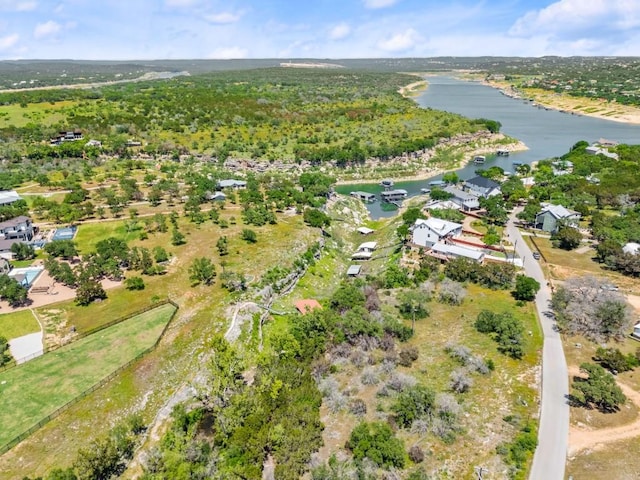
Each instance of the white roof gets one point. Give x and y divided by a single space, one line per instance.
365 230
441 227
558 211
231 183
636 326
361 255
368 246
441 204
9 196
632 248
458 251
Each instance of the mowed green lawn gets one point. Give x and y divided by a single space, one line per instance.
17 324
30 392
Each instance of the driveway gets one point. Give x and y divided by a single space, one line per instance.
551 455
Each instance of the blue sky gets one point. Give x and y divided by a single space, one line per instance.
158 29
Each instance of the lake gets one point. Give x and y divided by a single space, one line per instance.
547 133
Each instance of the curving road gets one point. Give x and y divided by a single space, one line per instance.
553 434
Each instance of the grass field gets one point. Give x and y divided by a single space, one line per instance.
17 324
32 391
617 461
91 233
43 113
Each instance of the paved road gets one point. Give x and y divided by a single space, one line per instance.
551 455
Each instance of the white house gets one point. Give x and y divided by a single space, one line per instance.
426 233
552 216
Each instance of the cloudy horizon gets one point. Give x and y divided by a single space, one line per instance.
323 29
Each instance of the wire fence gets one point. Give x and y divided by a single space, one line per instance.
9 445
15 362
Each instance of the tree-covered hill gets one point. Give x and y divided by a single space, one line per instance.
275 114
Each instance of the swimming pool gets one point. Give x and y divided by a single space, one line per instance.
26 275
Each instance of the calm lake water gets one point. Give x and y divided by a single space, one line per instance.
547 133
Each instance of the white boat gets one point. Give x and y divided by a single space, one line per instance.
479 159
502 152
386 183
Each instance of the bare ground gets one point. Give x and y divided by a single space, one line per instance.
583 437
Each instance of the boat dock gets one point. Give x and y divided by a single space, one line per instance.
364 196
392 196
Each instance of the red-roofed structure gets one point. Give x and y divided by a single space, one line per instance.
307 305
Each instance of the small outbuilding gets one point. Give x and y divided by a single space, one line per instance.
307 305
365 230
354 270
636 331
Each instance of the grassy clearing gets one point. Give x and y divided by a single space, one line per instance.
43 113
91 233
39 387
17 324
618 460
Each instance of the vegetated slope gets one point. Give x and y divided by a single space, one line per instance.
37 388
275 114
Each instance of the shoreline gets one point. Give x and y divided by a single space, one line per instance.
565 104
489 144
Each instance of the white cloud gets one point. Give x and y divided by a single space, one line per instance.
566 16
8 41
180 3
20 6
373 4
400 41
223 53
223 17
339 31
46 29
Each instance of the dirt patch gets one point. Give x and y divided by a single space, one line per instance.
583 437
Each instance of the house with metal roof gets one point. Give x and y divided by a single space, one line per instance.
482 187
466 201
426 233
551 217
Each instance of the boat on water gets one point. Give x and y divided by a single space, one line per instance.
516 164
425 190
386 183
437 183
479 159
502 152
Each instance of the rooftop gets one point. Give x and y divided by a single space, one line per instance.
558 211
9 196
442 227
365 230
483 182
306 305
458 251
